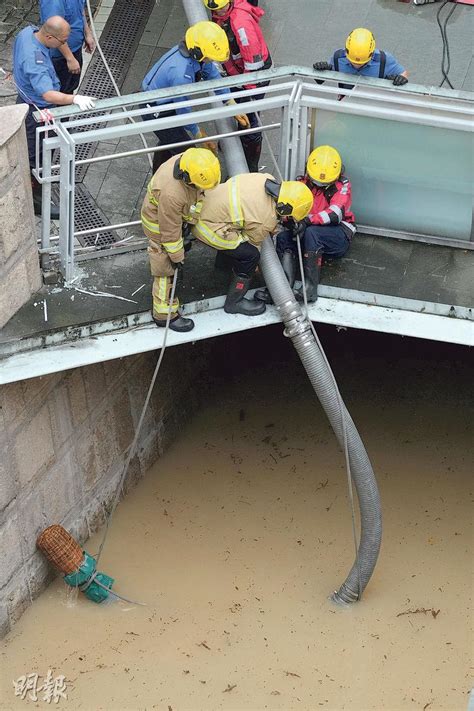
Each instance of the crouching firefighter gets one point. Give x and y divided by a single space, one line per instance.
172 203
327 229
238 216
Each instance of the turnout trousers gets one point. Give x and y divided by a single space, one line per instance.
243 259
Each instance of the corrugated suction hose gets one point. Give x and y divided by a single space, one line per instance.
298 328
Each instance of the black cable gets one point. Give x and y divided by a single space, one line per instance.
446 59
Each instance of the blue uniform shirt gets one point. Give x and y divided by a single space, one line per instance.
372 68
73 12
33 69
174 69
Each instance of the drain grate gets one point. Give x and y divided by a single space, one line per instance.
119 41
87 215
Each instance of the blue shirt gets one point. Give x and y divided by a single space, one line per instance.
175 69
73 12
33 69
372 68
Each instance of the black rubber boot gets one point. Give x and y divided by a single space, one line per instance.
235 302
178 324
38 201
312 269
288 262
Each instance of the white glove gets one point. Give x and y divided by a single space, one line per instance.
84 102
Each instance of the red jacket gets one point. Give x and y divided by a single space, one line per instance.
332 205
248 49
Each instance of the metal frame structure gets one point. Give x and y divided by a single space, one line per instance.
292 93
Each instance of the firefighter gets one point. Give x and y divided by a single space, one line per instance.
189 61
362 58
248 53
38 84
238 216
327 229
67 59
171 204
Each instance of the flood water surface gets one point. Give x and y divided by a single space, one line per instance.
242 530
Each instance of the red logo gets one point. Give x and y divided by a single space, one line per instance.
239 285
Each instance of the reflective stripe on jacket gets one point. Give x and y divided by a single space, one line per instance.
332 205
237 211
248 49
167 204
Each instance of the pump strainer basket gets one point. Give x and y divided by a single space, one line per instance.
60 548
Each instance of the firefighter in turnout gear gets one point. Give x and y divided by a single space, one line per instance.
171 204
190 61
248 53
327 229
238 216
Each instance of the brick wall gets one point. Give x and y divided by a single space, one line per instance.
19 266
64 438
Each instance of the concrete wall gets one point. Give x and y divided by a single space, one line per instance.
63 440
19 265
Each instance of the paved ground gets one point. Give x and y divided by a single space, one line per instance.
14 16
373 264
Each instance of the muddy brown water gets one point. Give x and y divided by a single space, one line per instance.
241 531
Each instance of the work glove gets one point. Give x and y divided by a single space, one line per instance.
84 102
177 265
242 119
210 145
397 79
300 227
322 66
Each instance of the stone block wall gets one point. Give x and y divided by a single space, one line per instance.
20 273
64 439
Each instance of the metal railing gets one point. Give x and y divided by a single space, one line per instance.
371 125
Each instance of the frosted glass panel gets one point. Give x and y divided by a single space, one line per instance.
404 176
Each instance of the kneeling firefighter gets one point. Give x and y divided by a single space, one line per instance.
172 203
327 229
238 216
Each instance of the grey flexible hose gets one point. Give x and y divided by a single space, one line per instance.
298 328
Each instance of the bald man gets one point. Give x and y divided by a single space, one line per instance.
67 59
38 84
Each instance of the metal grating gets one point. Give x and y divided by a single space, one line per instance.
118 41
87 215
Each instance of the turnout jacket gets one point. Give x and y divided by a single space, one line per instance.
331 205
239 210
168 203
248 49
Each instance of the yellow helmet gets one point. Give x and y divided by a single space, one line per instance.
360 46
199 167
214 5
324 165
206 40
294 200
